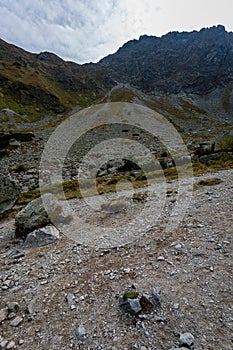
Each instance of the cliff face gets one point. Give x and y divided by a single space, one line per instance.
191 62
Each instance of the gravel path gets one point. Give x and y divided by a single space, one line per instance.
192 265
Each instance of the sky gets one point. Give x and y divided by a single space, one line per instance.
87 30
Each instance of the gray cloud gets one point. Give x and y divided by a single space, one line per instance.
87 30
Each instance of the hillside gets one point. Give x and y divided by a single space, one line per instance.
39 84
188 77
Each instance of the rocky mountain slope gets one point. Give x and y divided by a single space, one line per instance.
190 74
190 62
39 84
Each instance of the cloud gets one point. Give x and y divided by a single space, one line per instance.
87 30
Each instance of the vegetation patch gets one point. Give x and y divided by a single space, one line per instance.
209 182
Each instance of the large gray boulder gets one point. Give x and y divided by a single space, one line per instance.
35 216
9 192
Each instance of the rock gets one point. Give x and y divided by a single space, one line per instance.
9 192
156 296
16 321
14 143
146 304
80 332
131 306
11 345
186 340
70 298
160 258
206 158
11 315
114 205
21 341
3 314
42 236
3 344
34 215
13 306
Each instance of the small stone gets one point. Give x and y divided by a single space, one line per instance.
160 258
176 306
16 321
178 246
13 306
80 332
3 314
156 296
127 270
70 298
3 344
11 315
186 340
143 348
11 345
21 341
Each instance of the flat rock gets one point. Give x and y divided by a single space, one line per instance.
16 321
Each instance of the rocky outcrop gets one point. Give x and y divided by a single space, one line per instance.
9 192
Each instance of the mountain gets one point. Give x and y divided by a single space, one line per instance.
191 62
188 77
36 84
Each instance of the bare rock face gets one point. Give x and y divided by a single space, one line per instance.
9 192
192 62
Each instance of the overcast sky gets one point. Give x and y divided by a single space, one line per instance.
87 30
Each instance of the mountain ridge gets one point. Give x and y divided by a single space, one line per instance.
188 73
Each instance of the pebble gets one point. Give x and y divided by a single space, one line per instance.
21 341
80 332
176 306
160 258
70 298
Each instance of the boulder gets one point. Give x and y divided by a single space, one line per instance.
42 236
9 192
35 216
